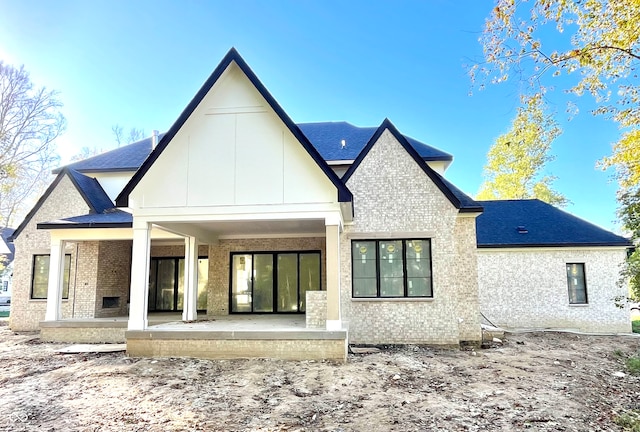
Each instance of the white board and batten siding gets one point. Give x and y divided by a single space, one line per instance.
233 151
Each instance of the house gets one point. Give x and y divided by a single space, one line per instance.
7 251
258 237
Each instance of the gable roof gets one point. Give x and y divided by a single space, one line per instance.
344 195
126 158
94 196
459 199
6 234
327 138
91 191
541 224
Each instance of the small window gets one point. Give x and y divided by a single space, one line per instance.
5 286
40 277
391 268
577 284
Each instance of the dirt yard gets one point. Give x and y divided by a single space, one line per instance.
538 381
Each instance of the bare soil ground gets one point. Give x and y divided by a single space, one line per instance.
536 381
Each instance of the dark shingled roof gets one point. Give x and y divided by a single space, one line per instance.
111 218
125 158
6 234
92 192
466 202
534 223
327 138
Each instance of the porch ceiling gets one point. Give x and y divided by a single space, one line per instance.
251 228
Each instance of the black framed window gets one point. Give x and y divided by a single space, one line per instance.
577 283
391 268
40 277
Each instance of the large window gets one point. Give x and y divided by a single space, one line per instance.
577 284
40 277
391 268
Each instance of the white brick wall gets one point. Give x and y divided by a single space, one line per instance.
64 201
394 198
528 289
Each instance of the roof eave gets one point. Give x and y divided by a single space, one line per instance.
54 225
542 245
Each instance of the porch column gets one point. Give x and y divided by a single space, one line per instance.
56 280
190 303
140 255
334 320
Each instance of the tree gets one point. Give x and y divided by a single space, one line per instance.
85 153
30 122
134 135
516 160
594 45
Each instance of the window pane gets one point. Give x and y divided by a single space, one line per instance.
418 268
287 282
576 284
165 284
67 273
203 278
391 287
391 271
309 276
241 283
365 287
40 280
263 283
153 270
419 287
181 269
40 276
363 256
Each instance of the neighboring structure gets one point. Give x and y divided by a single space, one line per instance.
237 210
7 251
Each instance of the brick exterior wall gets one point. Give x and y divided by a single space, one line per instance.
394 198
219 262
528 289
64 201
297 349
83 334
316 313
113 277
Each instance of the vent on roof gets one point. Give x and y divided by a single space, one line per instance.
343 143
522 229
154 139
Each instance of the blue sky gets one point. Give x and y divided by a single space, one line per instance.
138 63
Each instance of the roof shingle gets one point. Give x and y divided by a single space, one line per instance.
540 224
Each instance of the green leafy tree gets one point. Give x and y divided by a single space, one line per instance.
582 47
516 161
30 122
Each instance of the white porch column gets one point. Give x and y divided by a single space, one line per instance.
190 302
56 280
140 255
334 317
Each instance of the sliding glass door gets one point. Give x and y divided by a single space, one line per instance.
166 284
273 282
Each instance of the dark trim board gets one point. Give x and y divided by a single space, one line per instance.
553 245
344 195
